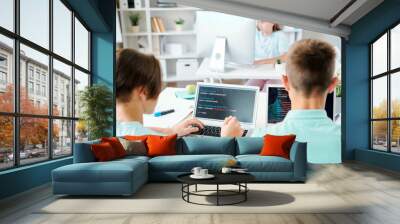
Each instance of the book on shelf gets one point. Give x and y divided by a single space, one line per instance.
161 24
157 24
154 25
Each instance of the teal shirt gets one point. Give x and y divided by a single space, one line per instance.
270 46
322 135
134 128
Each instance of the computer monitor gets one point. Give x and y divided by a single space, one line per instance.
279 104
215 102
238 31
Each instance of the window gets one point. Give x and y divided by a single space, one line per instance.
3 61
38 74
7 89
30 72
30 88
35 21
3 72
81 45
3 78
34 128
7 14
44 91
385 95
62 29
38 89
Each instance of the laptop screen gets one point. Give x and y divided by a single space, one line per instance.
279 104
218 102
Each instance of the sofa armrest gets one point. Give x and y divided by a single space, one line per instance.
298 155
83 152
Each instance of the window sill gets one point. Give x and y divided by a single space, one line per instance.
25 167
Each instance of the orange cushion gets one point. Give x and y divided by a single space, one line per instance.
277 145
103 152
161 145
116 145
136 137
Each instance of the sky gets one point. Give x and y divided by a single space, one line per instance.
380 66
35 27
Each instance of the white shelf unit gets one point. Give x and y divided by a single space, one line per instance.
154 42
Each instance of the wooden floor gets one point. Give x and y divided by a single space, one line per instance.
378 188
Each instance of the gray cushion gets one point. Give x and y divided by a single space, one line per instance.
137 148
257 163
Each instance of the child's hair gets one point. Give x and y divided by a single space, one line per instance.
311 66
135 69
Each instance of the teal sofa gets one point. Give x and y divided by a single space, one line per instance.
125 176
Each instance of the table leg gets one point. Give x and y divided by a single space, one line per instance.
245 193
196 187
217 194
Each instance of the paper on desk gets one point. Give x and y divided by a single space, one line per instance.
167 120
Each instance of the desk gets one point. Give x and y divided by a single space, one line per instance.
266 71
182 107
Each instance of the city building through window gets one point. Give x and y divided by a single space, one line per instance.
39 124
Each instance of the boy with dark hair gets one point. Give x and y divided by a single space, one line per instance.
310 78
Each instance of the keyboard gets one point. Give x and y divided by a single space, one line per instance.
213 131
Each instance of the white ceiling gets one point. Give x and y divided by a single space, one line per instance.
321 9
325 16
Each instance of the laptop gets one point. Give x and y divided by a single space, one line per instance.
279 104
215 102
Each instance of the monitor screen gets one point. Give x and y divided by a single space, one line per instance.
218 102
279 104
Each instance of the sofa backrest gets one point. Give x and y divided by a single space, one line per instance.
249 145
83 153
194 145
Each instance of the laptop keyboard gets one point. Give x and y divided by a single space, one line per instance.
213 131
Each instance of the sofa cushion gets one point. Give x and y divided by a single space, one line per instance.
249 145
83 152
277 145
113 171
185 163
103 152
200 145
116 145
135 147
161 145
257 163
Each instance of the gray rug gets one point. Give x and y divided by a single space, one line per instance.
166 198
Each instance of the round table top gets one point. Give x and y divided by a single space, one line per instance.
220 178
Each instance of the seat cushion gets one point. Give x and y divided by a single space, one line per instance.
185 163
257 163
112 171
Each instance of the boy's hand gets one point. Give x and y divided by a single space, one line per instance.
231 128
187 127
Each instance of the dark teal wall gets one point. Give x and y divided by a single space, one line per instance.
99 16
356 106
24 178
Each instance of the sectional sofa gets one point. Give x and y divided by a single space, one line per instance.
125 176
